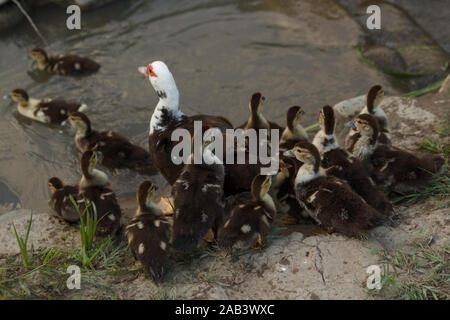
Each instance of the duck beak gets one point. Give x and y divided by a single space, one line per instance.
155 187
289 153
303 112
143 70
385 93
350 124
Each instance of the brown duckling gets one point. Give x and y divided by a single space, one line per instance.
117 151
329 200
54 111
249 223
198 199
374 97
340 164
294 131
63 64
93 189
60 201
148 232
257 120
168 116
391 168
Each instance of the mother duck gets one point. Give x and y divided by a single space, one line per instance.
168 116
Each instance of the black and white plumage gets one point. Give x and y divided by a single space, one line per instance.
168 117
148 232
117 151
54 111
329 200
249 223
63 64
60 201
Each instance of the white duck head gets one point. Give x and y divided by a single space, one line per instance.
163 82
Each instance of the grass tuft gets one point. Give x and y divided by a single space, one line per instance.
23 242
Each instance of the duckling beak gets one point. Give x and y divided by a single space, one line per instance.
289 153
350 124
263 98
99 156
155 187
385 93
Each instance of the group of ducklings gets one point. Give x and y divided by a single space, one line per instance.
344 189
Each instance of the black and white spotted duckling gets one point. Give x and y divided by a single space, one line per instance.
54 111
294 131
117 151
93 188
374 97
391 168
329 200
63 64
249 223
339 163
198 198
60 201
148 232
256 119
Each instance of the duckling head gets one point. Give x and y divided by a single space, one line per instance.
39 55
256 102
294 116
88 162
260 186
367 126
20 96
305 152
161 79
326 119
374 97
145 193
80 121
54 184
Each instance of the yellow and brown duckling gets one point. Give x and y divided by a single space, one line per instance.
340 164
374 98
168 117
249 223
60 201
329 200
117 151
54 111
148 232
391 168
198 199
294 131
256 119
63 64
93 188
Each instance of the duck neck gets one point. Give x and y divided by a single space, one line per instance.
308 172
167 109
94 178
268 203
147 205
296 132
364 147
325 142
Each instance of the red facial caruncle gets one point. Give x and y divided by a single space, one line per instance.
150 71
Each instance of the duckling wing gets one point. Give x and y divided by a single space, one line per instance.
198 202
148 239
60 203
72 64
246 223
57 110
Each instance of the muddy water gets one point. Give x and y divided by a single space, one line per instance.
220 52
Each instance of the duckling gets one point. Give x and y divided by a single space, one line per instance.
257 120
329 200
148 232
391 168
93 189
60 200
54 111
294 131
198 199
374 97
117 151
340 164
63 64
249 223
168 116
